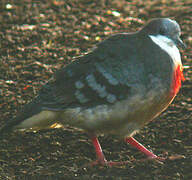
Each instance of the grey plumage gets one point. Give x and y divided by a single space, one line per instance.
119 73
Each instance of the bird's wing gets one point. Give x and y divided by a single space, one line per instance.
92 79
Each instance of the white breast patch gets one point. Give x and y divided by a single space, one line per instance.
168 46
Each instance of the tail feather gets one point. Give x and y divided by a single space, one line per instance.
28 111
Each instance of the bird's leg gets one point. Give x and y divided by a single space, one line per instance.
100 156
141 148
99 153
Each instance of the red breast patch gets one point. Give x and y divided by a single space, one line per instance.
177 78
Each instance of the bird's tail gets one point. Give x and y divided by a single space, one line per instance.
28 111
42 120
32 117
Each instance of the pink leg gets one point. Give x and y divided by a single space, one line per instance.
98 150
141 148
100 156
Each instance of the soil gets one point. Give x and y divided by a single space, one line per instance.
39 37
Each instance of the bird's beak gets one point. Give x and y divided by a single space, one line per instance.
180 43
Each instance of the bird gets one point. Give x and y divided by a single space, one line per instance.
118 87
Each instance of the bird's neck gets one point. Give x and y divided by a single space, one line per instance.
168 46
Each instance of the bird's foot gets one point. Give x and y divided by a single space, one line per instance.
108 163
155 158
104 162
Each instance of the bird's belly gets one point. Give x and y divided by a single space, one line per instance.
123 118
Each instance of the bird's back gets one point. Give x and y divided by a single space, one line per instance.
108 83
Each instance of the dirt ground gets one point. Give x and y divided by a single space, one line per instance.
39 37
